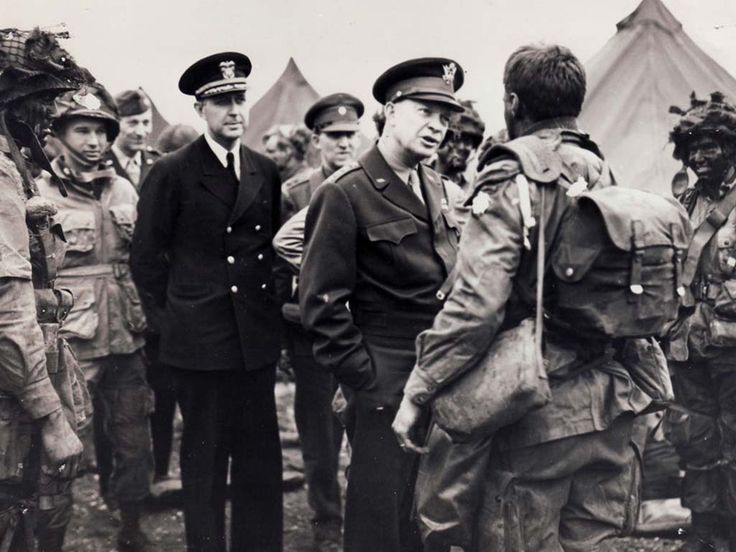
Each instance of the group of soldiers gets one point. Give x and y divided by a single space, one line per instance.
133 282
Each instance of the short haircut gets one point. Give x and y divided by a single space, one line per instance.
296 136
549 81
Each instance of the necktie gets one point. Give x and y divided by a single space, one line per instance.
231 167
133 170
415 185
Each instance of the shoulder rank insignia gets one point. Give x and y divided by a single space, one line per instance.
481 203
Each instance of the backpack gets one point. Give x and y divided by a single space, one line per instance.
617 257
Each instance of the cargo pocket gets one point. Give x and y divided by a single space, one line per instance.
124 218
15 440
80 230
82 320
131 306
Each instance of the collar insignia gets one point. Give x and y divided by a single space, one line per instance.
228 69
449 73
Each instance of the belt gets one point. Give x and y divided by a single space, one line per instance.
87 270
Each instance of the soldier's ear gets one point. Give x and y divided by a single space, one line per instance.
198 107
315 140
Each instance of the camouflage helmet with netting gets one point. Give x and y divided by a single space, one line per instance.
33 62
715 117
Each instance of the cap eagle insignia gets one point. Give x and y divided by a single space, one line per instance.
228 69
449 70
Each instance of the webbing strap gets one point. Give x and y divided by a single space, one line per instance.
715 219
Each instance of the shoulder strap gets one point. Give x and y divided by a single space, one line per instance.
540 280
715 219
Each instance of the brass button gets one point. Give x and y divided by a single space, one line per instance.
231 260
263 286
440 295
260 256
569 271
258 227
229 229
234 289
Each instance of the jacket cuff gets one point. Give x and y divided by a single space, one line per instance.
419 389
39 399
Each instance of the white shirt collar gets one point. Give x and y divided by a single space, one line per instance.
221 153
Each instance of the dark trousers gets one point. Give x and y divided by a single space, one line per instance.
230 418
161 381
320 432
123 401
380 486
702 427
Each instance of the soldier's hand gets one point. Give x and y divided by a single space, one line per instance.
405 426
61 445
37 208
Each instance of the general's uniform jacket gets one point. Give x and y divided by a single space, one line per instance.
202 250
374 261
107 317
148 157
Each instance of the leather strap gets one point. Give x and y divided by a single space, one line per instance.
713 222
540 279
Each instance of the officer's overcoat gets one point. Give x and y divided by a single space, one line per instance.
203 251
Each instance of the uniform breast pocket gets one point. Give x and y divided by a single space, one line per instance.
79 228
124 218
391 239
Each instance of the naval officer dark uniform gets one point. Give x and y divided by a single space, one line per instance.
202 250
375 257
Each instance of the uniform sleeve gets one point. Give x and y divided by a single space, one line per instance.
23 372
326 282
488 259
289 240
157 210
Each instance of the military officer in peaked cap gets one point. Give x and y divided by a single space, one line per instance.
131 157
333 121
202 251
380 236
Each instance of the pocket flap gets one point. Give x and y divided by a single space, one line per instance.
76 219
393 231
123 214
571 262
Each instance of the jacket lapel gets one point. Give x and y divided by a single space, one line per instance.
212 172
393 189
437 203
251 182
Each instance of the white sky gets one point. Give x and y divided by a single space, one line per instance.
340 45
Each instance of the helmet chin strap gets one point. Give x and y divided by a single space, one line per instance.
77 156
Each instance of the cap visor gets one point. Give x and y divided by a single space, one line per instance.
437 98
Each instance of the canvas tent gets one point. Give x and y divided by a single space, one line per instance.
285 102
649 65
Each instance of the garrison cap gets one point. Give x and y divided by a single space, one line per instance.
132 102
334 113
216 74
429 79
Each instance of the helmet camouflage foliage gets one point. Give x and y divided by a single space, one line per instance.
715 117
91 101
468 122
33 62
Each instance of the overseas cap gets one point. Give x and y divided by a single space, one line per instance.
334 113
89 101
132 102
715 117
216 74
429 79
